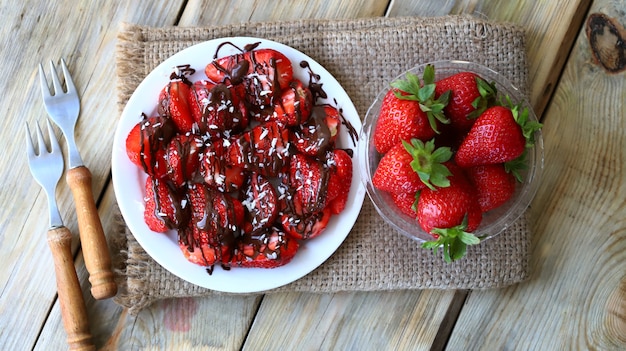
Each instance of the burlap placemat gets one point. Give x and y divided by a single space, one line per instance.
363 55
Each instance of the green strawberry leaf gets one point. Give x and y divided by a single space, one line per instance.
428 162
516 166
488 93
411 88
453 241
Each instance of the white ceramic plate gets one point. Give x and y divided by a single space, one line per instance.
129 180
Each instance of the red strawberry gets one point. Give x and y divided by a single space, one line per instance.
214 226
294 107
406 202
174 103
266 248
264 149
408 168
306 226
217 109
470 96
146 144
450 214
260 201
409 110
494 185
308 179
319 133
217 171
263 72
495 137
339 180
183 158
165 208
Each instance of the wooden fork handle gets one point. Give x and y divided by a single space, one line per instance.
73 310
93 241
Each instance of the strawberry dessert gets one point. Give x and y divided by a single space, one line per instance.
451 151
242 164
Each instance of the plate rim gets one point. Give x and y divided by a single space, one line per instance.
119 159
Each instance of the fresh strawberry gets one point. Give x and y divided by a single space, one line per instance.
409 110
146 144
305 226
214 226
165 207
260 201
412 167
339 181
183 158
494 185
264 149
267 248
174 103
470 95
407 203
495 137
217 109
217 171
450 214
319 133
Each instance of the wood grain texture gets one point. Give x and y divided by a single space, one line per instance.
83 32
576 296
239 11
400 320
547 37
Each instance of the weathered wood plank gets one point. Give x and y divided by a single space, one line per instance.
401 320
575 298
83 32
240 11
551 29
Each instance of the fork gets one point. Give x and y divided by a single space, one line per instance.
63 107
47 167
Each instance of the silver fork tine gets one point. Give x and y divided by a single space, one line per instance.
54 142
30 148
69 84
58 88
43 82
43 148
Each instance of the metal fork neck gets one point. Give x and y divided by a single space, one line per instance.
74 157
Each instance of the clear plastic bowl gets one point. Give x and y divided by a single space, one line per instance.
495 221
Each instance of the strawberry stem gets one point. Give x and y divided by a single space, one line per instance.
453 241
424 93
487 98
428 162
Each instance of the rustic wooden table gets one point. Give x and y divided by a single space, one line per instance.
575 299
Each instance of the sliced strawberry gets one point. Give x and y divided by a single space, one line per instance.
267 248
294 107
238 67
217 171
174 103
146 144
308 179
263 149
217 109
319 133
260 201
305 226
165 207
214 227
183 158
340 180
